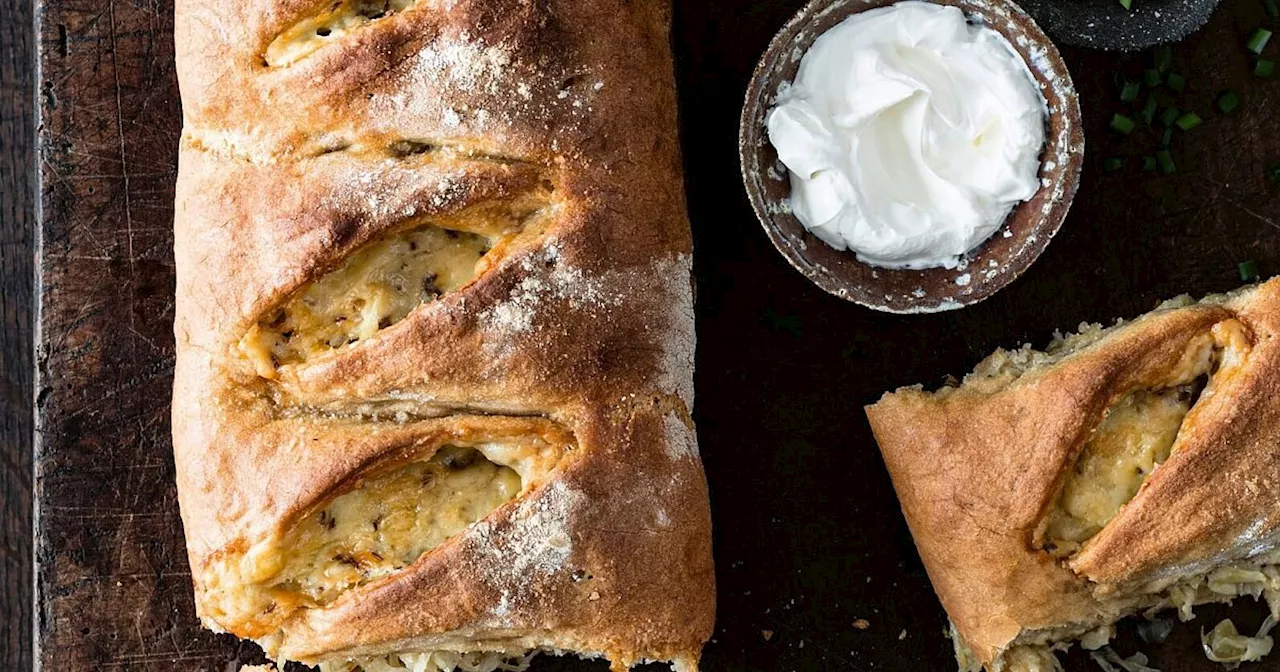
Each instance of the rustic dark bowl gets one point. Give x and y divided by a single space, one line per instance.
1106 24
995 263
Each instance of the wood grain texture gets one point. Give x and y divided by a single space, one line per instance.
112 582
17 191
783 369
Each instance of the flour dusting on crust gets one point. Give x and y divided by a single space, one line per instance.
681 443
676 363
535 544
516 314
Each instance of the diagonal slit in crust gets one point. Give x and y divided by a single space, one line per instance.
1139 431
409 148
380 522
386 279
326 25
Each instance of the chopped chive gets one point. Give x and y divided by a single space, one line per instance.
1258 40
1127 4
1148 113
1166 138
1189 121
1248 270
1176 82
1129 92
1113 163
1228 102
1273 10
1170 116
1148 163
1164 58
1121 124
1273 173
1151 76
1165 160
1263 67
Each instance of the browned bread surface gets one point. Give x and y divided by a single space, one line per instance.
537 136
979 467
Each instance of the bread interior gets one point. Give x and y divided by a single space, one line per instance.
381 283
371 528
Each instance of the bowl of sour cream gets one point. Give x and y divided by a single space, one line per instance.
911 156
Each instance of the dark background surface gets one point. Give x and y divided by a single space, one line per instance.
808 535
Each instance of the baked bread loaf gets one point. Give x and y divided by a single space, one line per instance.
1124 470
435 333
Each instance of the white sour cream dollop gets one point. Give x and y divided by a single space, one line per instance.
909 134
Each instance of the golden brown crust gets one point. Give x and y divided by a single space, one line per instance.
977 467
285 171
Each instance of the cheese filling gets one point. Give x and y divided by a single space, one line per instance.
374 289
392 517
435 661
1136 436
306 36
383 282
389 521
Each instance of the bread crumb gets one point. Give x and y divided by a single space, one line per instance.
862 624
767 634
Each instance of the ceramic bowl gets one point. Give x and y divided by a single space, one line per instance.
998 261
1106 24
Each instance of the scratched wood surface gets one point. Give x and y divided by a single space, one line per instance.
17 191
808 536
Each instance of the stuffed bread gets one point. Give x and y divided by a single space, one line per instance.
435 333
1125 470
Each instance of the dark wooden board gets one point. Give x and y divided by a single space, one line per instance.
17 191
808 535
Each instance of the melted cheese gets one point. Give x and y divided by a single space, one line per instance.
384 281
313 32
436 661
376 526
1135 437
389 521
375 288
374 530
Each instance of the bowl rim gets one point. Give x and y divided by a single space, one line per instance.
1048 66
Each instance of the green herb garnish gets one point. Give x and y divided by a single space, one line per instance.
1273 10
1166 138
1148 113
1273 173
1258 40
1165 159
1129 92
1228 102
1170 116
1176 82
1148 163
1121 124
1164 58
1127 4
1248 270
1113 163
1151 76
1263 67
1189 121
